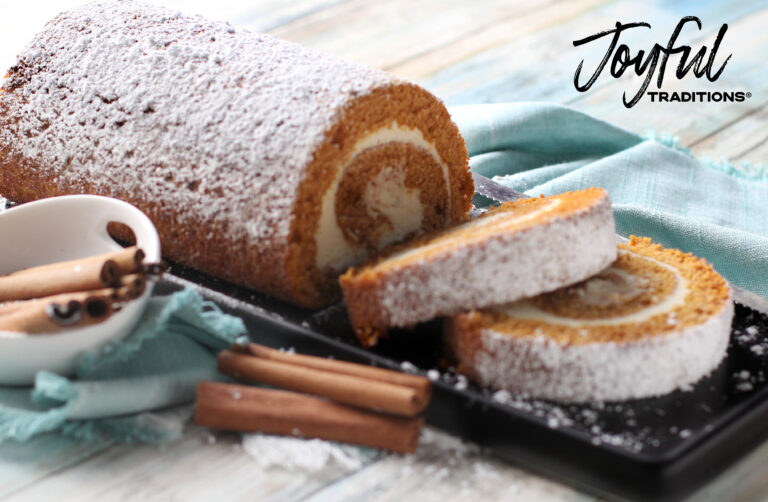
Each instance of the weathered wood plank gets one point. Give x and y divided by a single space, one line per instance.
743 481
22 464
192 469
691 121
485 38
758 154
737 140
444 469
541 66
382 34
262 16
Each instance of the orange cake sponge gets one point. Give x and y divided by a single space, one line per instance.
517 250
656 320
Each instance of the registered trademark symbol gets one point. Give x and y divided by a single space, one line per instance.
749 94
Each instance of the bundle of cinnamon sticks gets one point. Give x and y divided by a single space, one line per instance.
52 298
323 398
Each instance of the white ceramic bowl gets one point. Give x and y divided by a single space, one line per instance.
60 229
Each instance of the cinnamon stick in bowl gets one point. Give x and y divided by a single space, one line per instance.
348 383
65 310
93 272
130 287
252 409
41 317
130 260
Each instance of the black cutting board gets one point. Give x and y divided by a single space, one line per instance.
652 449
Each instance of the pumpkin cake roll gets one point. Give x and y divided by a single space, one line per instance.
260 161
655 321
517 250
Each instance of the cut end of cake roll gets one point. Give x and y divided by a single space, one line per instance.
654 321
392 167
517 250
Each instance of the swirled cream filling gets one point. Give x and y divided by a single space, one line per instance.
600 291
386 195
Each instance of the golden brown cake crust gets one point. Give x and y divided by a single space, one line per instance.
707 295
516 250
229 162
656 320
363 116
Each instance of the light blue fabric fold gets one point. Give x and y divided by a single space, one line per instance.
156 367
716 210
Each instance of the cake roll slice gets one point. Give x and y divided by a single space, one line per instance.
654 321
260 161
516 250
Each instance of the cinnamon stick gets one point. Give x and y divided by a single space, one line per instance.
12 307
420 384
43 318
35 283
84 274
131 287
349 389
130 260
97 309
60 299
253 409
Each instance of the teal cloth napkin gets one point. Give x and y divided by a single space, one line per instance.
715 210
156 367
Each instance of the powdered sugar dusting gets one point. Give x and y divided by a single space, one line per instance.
177 109
448 468
308 455
443 466
504 267
604 371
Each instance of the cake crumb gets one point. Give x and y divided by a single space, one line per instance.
501 396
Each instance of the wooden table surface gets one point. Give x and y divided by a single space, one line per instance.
465 51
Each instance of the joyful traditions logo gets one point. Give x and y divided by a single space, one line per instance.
655 63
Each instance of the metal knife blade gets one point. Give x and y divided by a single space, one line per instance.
495 191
